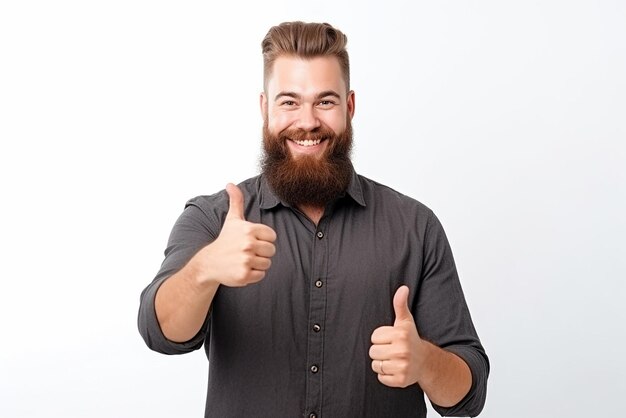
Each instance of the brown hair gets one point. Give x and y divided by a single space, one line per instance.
305 40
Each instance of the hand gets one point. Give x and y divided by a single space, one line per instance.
396 351
242 252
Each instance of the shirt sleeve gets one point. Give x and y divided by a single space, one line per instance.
194 229
443 318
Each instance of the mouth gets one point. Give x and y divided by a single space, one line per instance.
308 142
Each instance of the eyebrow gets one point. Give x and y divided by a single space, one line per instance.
297 96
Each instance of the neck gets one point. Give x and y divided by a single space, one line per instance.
314 213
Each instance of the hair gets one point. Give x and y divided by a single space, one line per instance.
304 40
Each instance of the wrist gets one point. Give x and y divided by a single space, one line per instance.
198 275
426 355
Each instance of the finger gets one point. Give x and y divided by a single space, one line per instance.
401 305
252 276
383 335
380 351
389 380
264 233
235 208
260 263
264 249
255 276
384 367
376 366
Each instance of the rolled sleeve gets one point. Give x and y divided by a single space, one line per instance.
150 329
472 404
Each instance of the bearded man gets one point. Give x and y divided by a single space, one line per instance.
315 291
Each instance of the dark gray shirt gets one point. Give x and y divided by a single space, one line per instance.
296 344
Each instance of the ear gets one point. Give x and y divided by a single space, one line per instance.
263 105
351 103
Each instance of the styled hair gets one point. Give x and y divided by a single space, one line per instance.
304 40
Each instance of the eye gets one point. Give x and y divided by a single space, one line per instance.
288 103
327 103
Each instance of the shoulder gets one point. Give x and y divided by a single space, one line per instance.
398 214
382 196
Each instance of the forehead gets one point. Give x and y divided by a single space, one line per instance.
306 74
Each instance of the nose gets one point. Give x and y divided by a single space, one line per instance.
307 119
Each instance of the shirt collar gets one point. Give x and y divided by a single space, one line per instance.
268 200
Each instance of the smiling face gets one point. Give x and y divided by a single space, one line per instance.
307 135
307 96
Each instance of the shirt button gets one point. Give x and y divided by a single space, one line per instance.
312 415
317 328
314 369
320 234
318 283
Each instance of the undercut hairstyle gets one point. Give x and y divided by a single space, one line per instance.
304 40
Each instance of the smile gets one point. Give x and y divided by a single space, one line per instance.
307 142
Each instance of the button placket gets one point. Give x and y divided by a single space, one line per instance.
317 312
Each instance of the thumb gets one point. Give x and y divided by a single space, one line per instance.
235 209
401 305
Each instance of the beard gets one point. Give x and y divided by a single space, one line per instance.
308 179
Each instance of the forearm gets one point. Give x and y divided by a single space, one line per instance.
182 304
238 257
444 377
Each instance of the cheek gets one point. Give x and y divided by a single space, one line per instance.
279 121
335 121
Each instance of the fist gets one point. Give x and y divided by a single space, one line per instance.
242 252
396 350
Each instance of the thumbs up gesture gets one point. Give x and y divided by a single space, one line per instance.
396 350
242 252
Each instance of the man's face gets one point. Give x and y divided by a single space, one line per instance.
307 135
306 95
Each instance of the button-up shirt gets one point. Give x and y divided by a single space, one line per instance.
296 343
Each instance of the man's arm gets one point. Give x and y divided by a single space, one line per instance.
401 358
182 302
239 256
455 366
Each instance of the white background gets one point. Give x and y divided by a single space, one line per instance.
506 118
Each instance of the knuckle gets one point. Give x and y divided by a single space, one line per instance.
247 262
242 272
404 369
403 354
247 228
402 335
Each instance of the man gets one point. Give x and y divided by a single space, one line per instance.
315 291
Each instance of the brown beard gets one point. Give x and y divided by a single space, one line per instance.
307 179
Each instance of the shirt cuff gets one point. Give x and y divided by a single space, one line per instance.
150 328
473 403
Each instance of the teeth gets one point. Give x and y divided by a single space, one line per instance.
308 142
